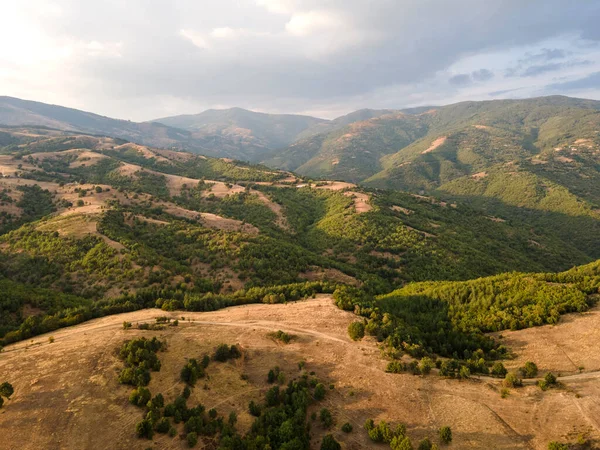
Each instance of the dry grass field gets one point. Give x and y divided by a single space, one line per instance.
67 395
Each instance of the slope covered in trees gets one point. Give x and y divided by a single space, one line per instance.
104 226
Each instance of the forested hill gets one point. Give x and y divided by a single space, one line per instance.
99 225
462 149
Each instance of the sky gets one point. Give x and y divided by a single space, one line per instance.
145 59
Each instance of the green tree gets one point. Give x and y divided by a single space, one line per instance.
144 429
425 444
329 443
319 393
498 369
347 427
445 434
356 330
529 370
192 439
326 418
401 443
6 390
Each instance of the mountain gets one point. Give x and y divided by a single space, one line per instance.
242 134
17 112
96 217
169 279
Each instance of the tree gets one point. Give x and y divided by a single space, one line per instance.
425 365
319 393
192 439
347 427
401 443
6 390
557 446
446 434
425 444
326 418
511 380
329 443
144 429
530 370
498 369
356 330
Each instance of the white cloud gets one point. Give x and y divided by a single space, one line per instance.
306 23
195 38
277 6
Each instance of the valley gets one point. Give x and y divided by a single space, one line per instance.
460 241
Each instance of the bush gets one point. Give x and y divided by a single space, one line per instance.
192 439
557 446
498 369
511 380
347 427
356 330
329 443
446 434
162 426
191 372
530 370
326 418
401 443
224 352
319 392
425 444
425 365
144 429
6 390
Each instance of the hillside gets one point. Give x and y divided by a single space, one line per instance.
87 218
553 138
242 134
79 392
17 112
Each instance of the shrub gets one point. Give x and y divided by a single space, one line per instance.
6 390
224 352
529 370
356 330
254 409
191 372
319 392
401 443
329 443
498 369
425 444
511 380
326 418
162 426
347 427
144 429
557 446
192 439
425 365
446 434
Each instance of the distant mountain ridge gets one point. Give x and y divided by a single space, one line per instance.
243 134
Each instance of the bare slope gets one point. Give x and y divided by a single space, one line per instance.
67 394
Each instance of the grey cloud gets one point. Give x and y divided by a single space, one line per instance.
460 79
373 46
591 81
482 75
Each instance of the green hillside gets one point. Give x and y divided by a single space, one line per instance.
93 225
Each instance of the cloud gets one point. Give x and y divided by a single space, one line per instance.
460 79
482 75
303 24
290 55
591 81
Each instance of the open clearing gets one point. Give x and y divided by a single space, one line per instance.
67 394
